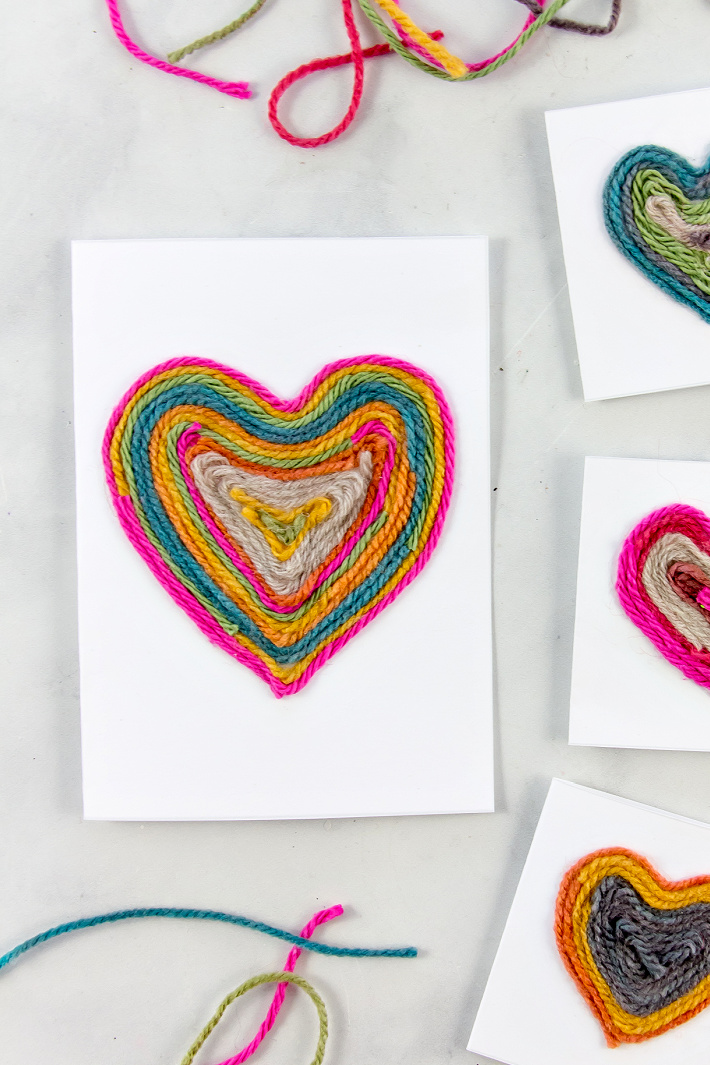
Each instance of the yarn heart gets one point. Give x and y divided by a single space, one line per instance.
636 945
282 527
657 212
663 583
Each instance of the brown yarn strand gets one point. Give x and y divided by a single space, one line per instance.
589 29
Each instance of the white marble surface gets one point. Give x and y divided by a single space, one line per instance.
96 145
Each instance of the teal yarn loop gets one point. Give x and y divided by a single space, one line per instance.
203 915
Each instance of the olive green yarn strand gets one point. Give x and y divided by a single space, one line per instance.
692 262
397 45
257 981
218 35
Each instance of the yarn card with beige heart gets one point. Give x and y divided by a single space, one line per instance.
282 461
632 182
606 950
643 591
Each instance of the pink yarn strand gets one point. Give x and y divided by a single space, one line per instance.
238 89
278 999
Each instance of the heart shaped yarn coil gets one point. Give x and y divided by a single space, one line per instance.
663 584
636 945
657 212
282 527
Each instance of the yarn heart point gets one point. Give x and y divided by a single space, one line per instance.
663 584
657 212
283 530
282 527
636 945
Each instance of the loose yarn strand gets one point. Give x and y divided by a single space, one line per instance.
356 57
282 979
474 70
239 89
422 50
218 35
280 992
589 29
203 915
257 981
330 63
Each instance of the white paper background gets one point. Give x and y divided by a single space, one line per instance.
624 692
631 336
531 1012
400 721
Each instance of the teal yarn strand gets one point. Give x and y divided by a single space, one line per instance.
203 915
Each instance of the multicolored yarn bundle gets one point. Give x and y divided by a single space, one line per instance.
663 584
657 212
402 35
282 527
282 978
636 945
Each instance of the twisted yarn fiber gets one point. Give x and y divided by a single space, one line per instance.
282 527
404 36
636 945
663 584
281 978
657 212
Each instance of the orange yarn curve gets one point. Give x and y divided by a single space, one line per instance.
636 945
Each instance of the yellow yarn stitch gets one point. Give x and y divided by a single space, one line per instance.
451 63
315 511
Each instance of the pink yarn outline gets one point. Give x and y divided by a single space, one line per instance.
192 607
277 1001
678 518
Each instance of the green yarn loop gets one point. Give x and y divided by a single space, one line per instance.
257 981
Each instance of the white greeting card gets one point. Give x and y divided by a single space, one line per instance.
631 336
624 692
531 1012
399 721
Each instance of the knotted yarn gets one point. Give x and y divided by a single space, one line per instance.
636 945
